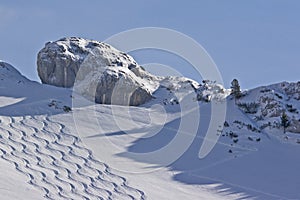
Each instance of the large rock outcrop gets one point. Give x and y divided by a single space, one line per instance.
96 70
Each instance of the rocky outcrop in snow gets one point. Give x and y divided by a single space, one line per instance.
291 89
115 85
100 72
271 102
210 90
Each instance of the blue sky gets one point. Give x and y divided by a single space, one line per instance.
255 41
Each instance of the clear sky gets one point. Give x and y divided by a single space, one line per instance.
253 40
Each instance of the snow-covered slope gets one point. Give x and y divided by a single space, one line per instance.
266 105
44 153
58 145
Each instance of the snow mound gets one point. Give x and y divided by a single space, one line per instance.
9 73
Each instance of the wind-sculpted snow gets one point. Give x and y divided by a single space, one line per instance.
57 163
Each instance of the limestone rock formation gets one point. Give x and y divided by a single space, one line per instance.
98 71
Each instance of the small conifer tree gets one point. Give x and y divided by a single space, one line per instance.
284 121
236 89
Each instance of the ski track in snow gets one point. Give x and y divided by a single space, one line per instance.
57 162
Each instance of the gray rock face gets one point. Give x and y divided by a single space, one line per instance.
98 71
58 62
121 88
114 85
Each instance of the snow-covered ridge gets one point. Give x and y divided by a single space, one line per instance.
264 104
267 104
9 73
105 75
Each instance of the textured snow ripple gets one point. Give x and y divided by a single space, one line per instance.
57 163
